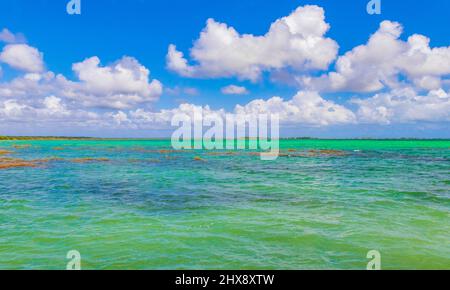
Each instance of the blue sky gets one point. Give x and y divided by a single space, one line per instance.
143 30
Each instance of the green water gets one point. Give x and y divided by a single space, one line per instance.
145 209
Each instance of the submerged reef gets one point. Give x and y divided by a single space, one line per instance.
6 163
167 155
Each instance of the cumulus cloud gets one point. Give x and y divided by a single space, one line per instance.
304 109
162 118
234 90
22 57
121 85
54 105
403 106
297 42
119 117
384 61
309 109
48 110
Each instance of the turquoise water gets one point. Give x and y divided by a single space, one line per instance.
134 207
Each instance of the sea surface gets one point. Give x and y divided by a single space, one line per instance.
137 204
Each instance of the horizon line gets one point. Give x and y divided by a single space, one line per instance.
19 138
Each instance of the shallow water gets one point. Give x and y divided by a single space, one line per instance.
133 207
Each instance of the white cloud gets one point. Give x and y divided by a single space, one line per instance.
11 109
403 106
383 61
305 108
9 37
177 63
162 119
309 109
122 85
234 90
22 57
48 110
296 41
55 106
119 117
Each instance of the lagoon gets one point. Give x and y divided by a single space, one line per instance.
138 204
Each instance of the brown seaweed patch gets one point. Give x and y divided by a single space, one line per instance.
133 160
273 154
16 164
89 160
5 152
6 163
230 153
198 158
327 152
50 159
279 154
58 148
25 146
160 151
166 151
7 159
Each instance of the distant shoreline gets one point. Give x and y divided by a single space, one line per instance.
66 138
